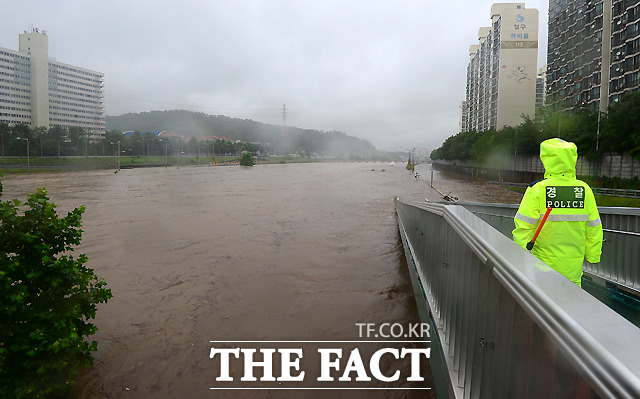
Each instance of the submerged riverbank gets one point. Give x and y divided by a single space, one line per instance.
295 252
11 165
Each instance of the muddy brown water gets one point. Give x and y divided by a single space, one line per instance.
298 252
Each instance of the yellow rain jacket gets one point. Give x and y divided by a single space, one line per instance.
573 230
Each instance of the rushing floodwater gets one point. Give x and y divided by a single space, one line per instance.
274 252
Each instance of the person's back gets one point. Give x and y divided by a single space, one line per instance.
573 229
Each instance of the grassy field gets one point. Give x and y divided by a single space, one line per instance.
51 164
607 200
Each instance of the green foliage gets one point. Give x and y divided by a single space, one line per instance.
622 126
46 299
456 147
247 159
608 200
245 134
619 132
298 140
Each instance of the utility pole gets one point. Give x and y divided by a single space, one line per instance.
284 128
28 163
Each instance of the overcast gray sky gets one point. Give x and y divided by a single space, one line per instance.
390 71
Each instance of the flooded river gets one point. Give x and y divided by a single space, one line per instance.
298 252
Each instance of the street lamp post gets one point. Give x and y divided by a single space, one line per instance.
181 147
117 155
166 152
559 120
113 147
598 133
28 164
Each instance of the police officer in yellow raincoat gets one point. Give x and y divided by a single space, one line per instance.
573 230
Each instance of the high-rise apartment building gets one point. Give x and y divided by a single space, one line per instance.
625 48
576 68
501 75
541 81
40 92
464 116
594 52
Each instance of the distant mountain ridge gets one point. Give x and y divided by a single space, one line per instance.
188 124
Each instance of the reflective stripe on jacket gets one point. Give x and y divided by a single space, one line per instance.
573 230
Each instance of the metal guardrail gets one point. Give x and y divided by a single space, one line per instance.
620 262
617 192
508 325
614 192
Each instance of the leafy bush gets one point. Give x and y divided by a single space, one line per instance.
46 299
247 159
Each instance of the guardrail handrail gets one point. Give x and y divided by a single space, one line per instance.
620 251
600 344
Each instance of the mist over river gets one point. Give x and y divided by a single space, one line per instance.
296 252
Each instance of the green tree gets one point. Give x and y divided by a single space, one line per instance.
19 147
528 138
59 135
76 138
621 132
46 299
192 146
4 133
135 144
585 126
247 159
489 143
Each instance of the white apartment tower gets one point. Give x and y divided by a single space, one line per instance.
501 75
40 92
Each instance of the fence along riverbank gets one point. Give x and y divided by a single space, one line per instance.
526 169
506 324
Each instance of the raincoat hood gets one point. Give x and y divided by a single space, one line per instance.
559 157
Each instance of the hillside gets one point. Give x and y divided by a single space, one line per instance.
187 123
